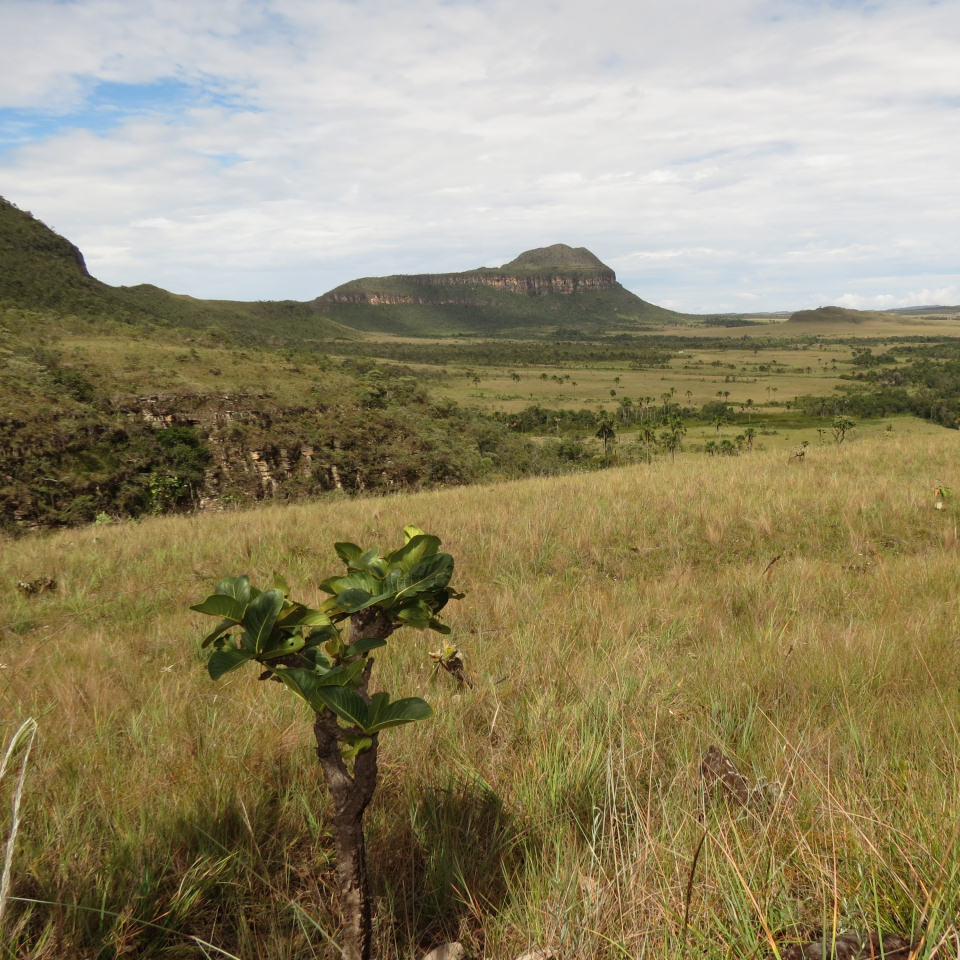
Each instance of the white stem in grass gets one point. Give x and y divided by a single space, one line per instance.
25 734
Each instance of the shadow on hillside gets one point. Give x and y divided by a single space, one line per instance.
451 863
255 878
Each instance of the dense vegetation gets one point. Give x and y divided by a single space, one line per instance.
922 380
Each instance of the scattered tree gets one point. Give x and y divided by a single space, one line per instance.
841 425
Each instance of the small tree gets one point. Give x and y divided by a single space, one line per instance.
306 650
841 425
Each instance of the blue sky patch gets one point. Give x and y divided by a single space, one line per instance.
109 104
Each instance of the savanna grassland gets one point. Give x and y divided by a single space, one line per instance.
801 615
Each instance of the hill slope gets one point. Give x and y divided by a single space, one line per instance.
42 271
39 269
550 287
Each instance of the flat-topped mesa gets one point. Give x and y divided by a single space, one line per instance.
558 269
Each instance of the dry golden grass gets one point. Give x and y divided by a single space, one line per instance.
802 616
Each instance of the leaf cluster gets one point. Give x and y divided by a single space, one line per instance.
305 649
410 585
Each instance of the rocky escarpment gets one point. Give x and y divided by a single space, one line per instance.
159 453
252 456
436 288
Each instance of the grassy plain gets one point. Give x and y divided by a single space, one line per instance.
802 616
696 374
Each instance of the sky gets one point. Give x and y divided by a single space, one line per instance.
724 156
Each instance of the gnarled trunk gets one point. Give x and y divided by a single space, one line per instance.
350 795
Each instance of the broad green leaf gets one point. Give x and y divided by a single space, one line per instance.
434 573
281 584
312 687
413 551
297 615
410 531
225 660
364 646
357 580
322 633
237 587
346 675
289 613
346 704
300 681
210 637
313 618
314 655
415 614
364 562
382 714
350 601
439 626
220 605
348 552
261 616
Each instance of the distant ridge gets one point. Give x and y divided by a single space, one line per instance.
835 315
554 287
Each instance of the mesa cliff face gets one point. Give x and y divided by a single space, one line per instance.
535 285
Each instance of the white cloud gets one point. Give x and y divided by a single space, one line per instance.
707 152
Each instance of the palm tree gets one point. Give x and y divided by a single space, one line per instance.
605 431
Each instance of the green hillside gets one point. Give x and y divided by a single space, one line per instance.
258 320
556 288
42 271
499 313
